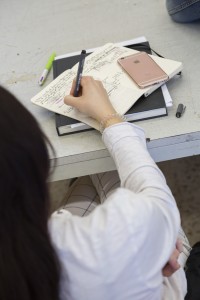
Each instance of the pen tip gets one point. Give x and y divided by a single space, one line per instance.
83 51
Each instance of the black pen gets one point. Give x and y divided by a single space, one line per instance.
79 73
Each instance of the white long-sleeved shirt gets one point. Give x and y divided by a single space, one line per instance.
118 251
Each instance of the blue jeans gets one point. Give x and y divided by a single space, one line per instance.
184 11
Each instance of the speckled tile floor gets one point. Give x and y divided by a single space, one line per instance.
183 177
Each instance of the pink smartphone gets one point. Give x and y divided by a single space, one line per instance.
143 69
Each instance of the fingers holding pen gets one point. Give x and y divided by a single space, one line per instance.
73 87
75 101
71 99
93 99
83 82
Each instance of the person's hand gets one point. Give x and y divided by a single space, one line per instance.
172 265
92 101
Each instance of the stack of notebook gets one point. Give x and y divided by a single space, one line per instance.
102 63
146 107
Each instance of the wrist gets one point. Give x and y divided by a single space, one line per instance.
111 119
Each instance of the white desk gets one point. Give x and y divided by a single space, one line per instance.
31 30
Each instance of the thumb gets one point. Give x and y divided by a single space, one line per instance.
71 101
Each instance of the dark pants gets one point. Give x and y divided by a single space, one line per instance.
184 11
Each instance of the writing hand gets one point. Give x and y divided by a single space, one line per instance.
93 100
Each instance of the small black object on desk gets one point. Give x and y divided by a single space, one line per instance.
180 110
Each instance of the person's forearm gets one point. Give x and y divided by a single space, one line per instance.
137 170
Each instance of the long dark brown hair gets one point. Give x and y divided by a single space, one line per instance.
29 268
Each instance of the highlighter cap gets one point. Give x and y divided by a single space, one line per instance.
50 61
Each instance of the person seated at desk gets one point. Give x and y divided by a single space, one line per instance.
184 11
123 249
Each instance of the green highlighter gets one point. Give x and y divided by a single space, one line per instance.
47 68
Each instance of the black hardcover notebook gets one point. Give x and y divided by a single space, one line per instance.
145 108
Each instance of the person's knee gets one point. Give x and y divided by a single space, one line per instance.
183 11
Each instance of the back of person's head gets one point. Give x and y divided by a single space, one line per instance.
28 265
